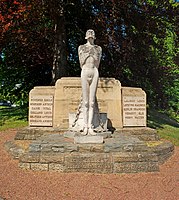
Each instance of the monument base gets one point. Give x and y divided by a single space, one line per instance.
124 152
88 139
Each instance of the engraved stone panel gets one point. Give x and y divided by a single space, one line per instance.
134 111
132 167
98 163
41 110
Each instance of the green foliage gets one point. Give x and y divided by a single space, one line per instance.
139 41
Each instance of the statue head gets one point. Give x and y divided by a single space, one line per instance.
90 34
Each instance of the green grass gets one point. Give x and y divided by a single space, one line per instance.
12 117
167 127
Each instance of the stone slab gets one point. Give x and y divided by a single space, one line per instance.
98 163
88 139
41 110
134 167
133 107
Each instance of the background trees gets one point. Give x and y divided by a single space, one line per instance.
39 41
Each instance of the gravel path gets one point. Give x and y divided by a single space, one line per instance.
17 184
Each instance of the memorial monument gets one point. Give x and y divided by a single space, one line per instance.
89 56
69 123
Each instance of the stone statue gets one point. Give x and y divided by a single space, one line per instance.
89 57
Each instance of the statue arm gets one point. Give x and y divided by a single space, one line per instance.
97 62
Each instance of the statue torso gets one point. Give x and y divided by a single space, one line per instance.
89 55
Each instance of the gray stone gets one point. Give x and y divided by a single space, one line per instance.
88 139
13 149
69 134
35 147
98 148
122 143
71 148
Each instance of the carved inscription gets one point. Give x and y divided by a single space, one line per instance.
41 110
134 111
96 163
135 167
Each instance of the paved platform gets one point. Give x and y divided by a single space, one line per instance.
126 151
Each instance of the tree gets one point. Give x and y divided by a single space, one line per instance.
138 37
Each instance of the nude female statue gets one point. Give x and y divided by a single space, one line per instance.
89 57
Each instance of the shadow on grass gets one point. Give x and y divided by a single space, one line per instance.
157 119
17 113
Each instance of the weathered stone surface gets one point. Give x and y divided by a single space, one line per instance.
50 157
98 148
87 139
98 163
69 134
56 167
39 167
71 147
24 165
122 143
13 149
133 157
163 158
30 157
142 133
35 147
123 153
133 167
33 133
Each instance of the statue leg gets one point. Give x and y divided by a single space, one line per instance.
92 97
85 97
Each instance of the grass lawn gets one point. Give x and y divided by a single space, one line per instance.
12 117
167 128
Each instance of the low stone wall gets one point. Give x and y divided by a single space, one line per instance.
122 152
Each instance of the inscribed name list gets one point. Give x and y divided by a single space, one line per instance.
41 110
134 111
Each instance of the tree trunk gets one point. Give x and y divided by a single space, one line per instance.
60 55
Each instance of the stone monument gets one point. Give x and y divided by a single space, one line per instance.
89 56
88 107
